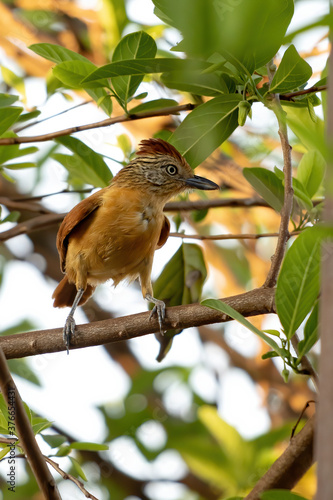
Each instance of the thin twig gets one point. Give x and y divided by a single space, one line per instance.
37 122
20 423
241 236
172 110
23 205
34 224
290 96
288 190
65 475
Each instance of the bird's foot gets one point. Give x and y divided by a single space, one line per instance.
69 331
159 310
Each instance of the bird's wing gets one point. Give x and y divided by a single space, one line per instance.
164 233
79 213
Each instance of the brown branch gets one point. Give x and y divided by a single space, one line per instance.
231 236
288 191
20 421
23 205
289 468
253 303
172 110
65 475
290 96
34 224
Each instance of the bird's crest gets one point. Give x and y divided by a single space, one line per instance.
159 147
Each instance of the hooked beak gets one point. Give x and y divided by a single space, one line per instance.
201 183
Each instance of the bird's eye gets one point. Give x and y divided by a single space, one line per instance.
171 169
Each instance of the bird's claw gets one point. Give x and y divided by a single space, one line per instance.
69 331
159 310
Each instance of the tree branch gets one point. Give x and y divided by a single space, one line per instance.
65 475
253 303
290 96
289 468
288 191
172 110
242 236
20 421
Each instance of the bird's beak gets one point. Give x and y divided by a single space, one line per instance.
201 183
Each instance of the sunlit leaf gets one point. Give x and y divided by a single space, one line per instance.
267 185
81 445
221 306
298 281
153 105
137 45
292 72
206 127
311 170
8 117
85 161
78 469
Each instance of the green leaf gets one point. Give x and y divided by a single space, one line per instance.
251 32
180 282
310 134
301 195
41 425
151 105
269 355
19 166
280 495
267 185
298 282
7 99
12 217
196 83
81 445
56 53
21 368
8 117
292 72
4 452
78 468
13 151
310 332
311 171
221 306
54 440
137 45
206 127
85 163
71 74
145 66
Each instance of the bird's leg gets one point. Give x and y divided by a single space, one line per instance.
69 328
158 309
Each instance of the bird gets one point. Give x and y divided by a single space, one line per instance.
113 233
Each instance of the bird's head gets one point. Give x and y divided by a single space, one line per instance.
163 170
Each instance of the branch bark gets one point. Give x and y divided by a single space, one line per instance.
253 303
25 433
289 468
172 110
288 191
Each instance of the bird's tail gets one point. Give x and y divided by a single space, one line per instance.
65 293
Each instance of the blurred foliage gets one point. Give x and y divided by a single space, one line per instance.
213 55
